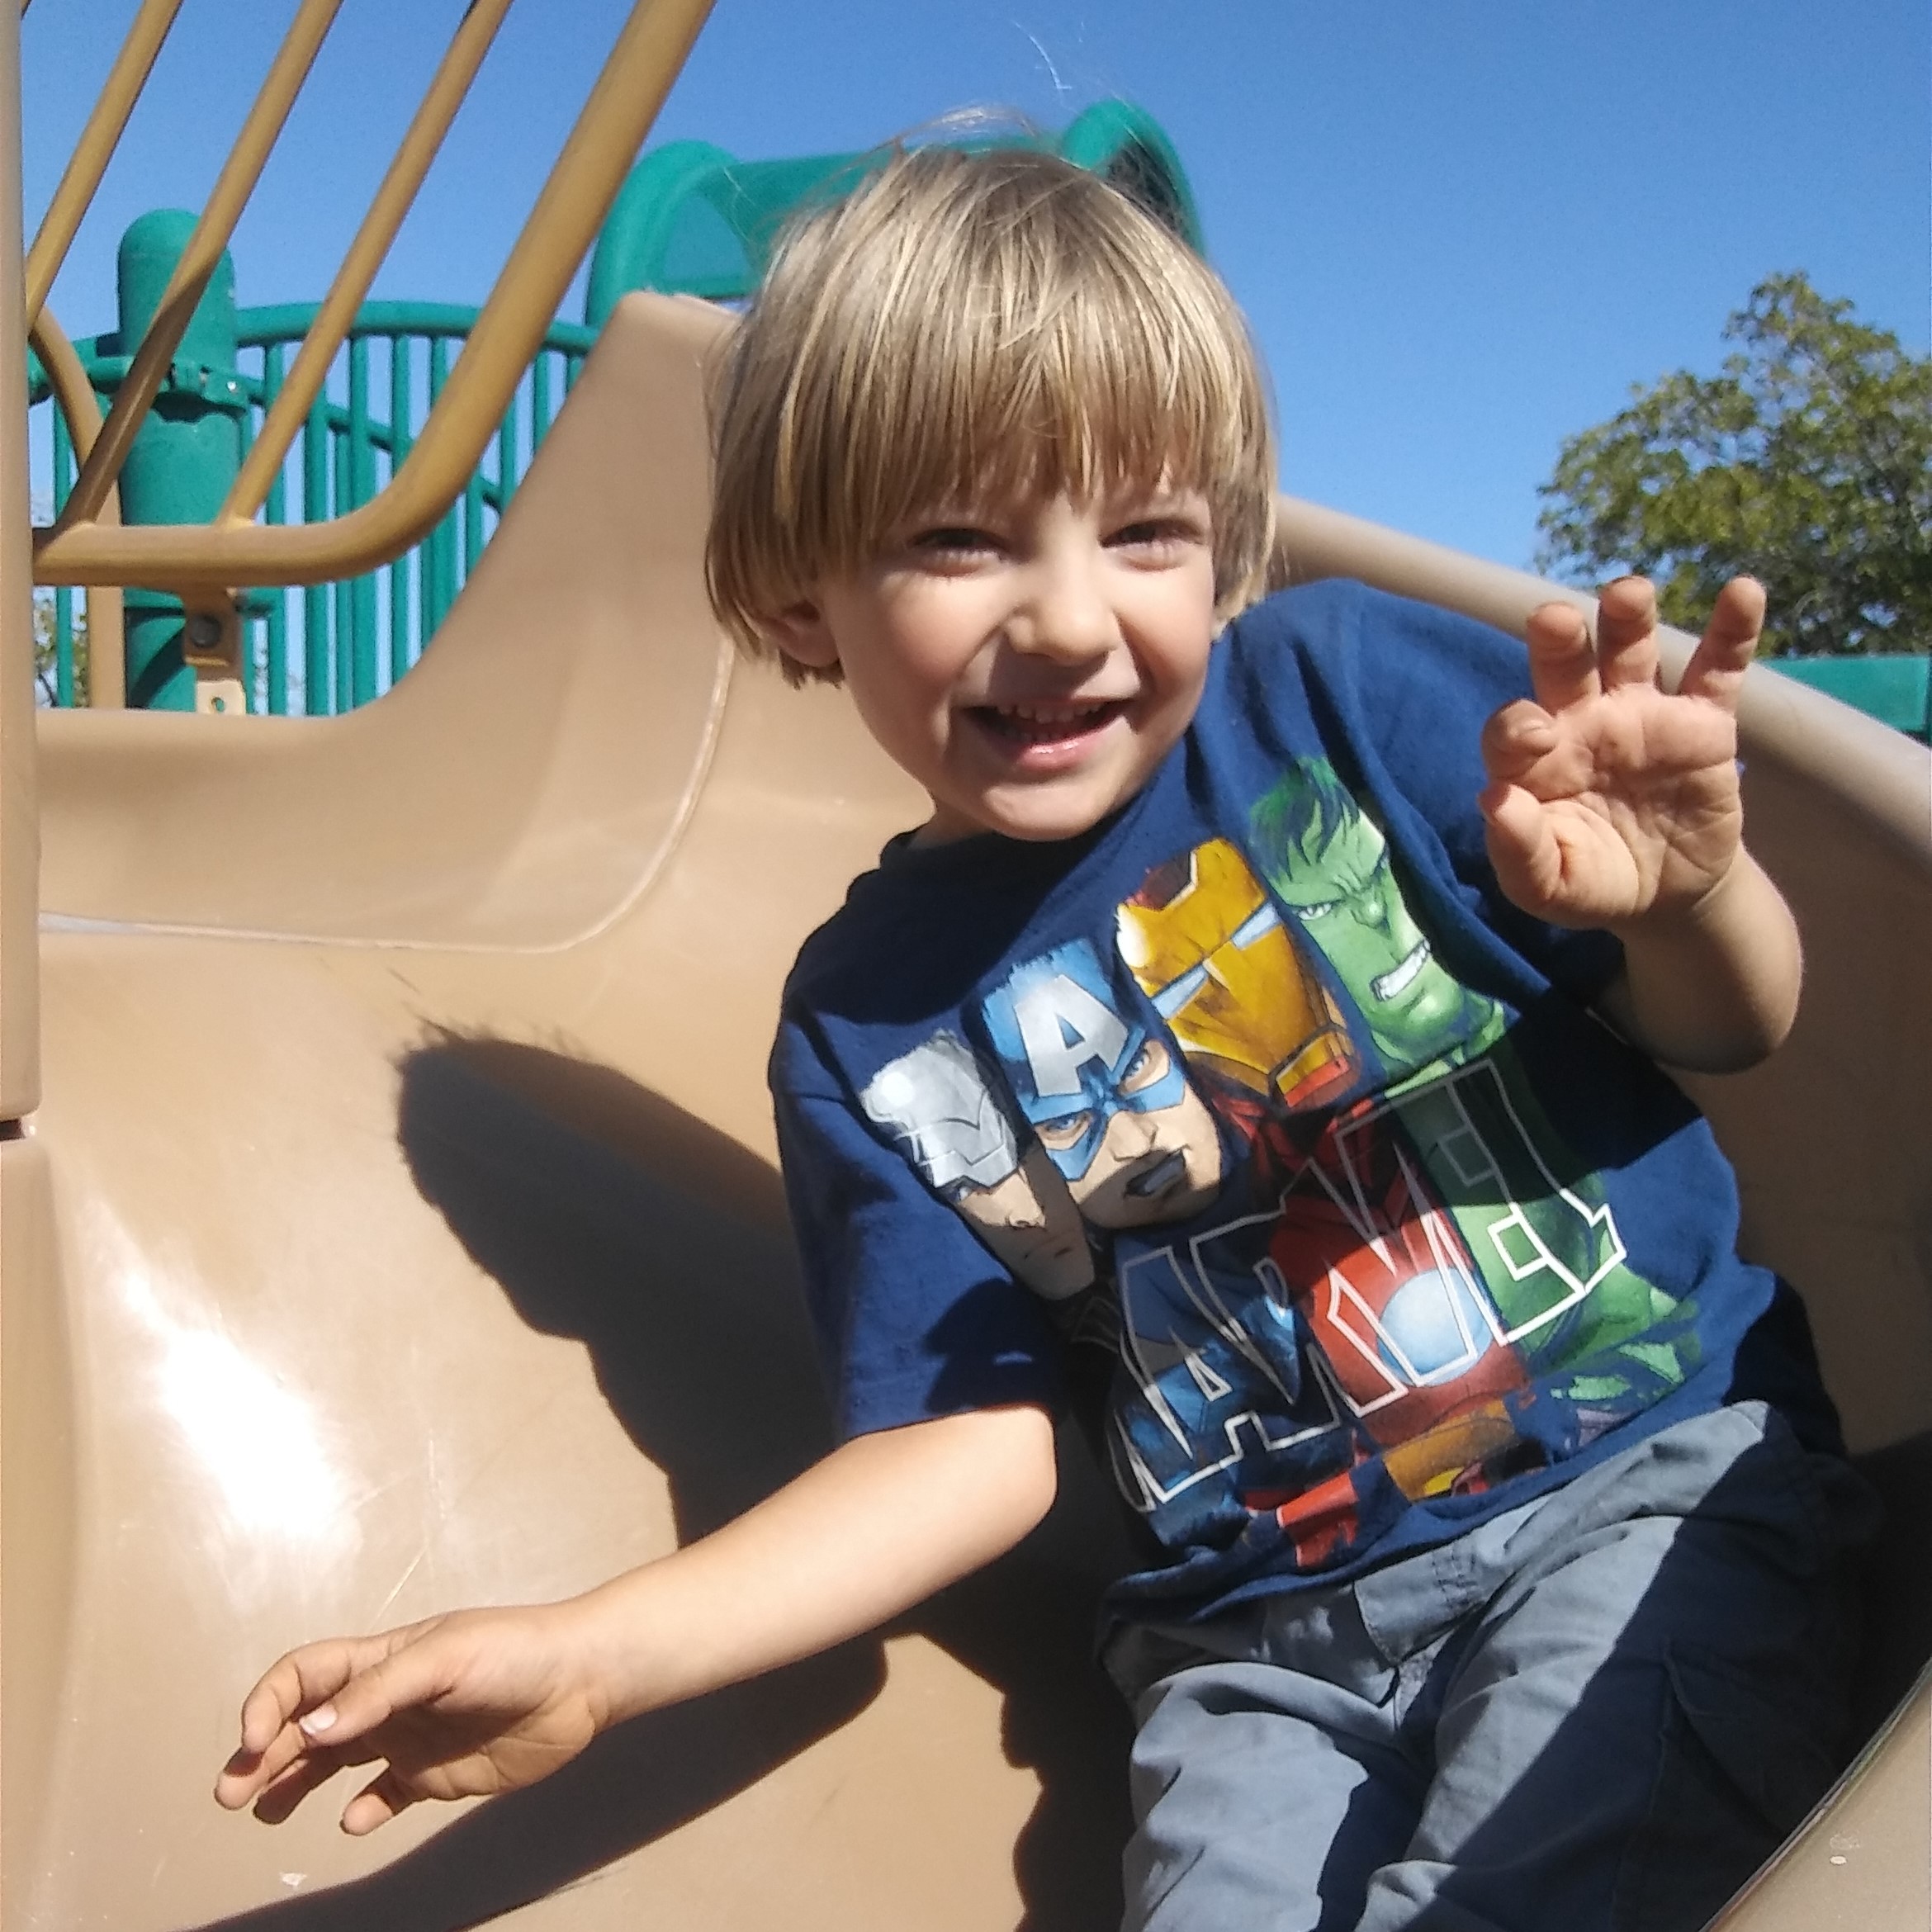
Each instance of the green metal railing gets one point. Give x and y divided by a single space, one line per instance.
326 648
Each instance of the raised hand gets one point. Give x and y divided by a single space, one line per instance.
1608 798
479 1701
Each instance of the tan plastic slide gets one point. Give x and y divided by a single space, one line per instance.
398 1228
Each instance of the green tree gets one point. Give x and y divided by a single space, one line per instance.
1806 461
47 657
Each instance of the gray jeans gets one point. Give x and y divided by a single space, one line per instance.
1598 1712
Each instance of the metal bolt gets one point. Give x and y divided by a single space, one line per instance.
204 631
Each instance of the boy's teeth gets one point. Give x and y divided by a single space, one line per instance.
1039 721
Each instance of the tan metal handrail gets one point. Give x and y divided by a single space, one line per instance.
366 252
649 53
198 262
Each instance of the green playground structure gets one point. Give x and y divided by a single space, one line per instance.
690 219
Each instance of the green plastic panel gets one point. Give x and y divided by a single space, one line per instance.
1895 689
693 220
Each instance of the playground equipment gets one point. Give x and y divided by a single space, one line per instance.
376 1220
690 219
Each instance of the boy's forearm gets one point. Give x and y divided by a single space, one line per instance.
875 1527
1715 988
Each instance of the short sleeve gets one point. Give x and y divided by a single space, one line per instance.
1409 687
914 1316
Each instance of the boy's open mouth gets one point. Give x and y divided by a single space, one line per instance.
1048 722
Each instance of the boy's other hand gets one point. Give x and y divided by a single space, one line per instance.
479 1701
1609 798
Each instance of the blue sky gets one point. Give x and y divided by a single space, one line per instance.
1461 228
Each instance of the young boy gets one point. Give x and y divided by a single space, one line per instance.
1254 1043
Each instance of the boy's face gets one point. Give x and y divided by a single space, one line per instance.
1029 665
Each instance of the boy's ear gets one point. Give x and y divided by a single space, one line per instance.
801 631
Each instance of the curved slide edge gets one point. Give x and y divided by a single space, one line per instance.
518 789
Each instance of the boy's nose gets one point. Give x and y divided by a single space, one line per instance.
1065 615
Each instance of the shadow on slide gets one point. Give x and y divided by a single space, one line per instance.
606 1213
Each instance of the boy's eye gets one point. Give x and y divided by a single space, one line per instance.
949 540
1157 537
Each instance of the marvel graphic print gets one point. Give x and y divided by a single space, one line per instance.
1256 1140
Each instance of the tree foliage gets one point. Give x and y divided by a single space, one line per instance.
1807 462
46 653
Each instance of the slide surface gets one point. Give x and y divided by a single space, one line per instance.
399 1231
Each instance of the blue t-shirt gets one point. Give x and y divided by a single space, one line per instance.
1258 1120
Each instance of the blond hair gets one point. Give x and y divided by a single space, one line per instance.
970 328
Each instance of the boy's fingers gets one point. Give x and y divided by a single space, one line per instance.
248 1773
293 1683
1627 632
1563 661
379 1801
410 1676
1524 851
1716 669
1515 737
285 1792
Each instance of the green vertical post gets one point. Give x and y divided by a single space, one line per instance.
439 560
362 460
539 400
63 597
506 456
398 450
188 452
275 510
472 523
345 591
316 680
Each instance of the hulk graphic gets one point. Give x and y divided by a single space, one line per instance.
1549 1251
1327 862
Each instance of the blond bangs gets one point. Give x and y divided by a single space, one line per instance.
967 331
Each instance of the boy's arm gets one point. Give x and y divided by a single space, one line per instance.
1716 990
483 1701
1612 803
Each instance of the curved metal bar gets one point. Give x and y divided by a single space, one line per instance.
471 41
67 377
95 148
74 397
236 182
291 321
615 119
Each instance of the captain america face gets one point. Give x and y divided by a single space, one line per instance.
1105 1096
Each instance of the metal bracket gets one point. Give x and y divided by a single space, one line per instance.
212 646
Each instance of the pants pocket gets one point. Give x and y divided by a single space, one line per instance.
1739 1768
